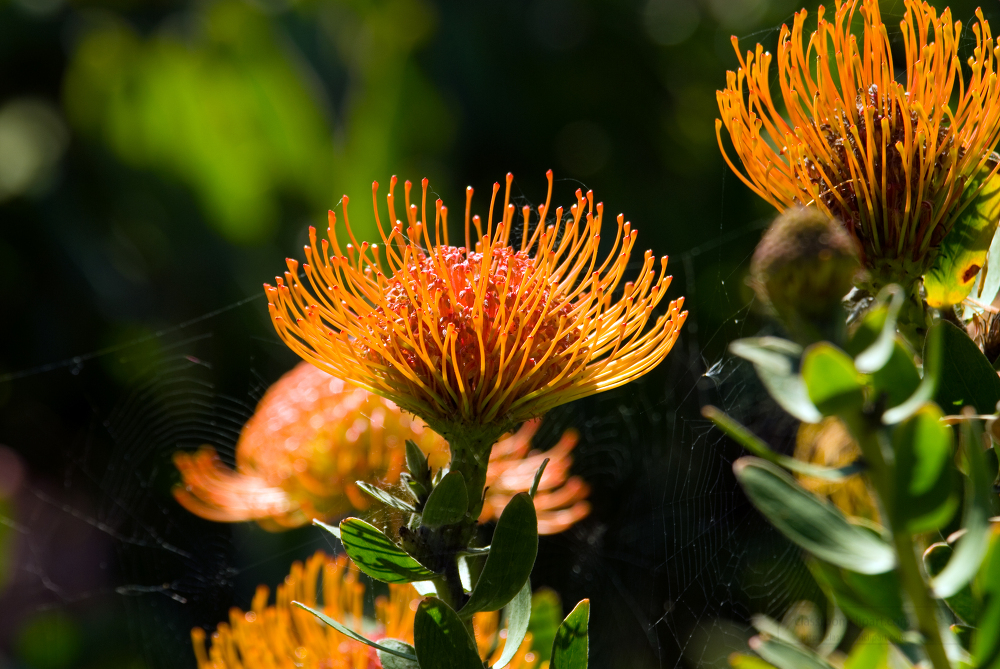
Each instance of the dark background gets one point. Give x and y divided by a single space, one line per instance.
158 161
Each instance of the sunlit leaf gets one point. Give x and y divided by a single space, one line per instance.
571 649
389 649
441 639
448 501
831 380
926 495
376 554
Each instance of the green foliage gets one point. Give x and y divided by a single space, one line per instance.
785 655
833 383
376 554
441 638
964 249
967 377
775 361
870 600
511 557
815 525
387 648
447 502
385 497
546 616
962 603
571 650
390 660
986 639
517 615
926 496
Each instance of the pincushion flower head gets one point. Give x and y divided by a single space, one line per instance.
311 439
474 339
896 156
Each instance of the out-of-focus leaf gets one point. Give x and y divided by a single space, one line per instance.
774 360
833 383
967 377
875 356
813 524
546 616
511 557
376 554
787 656
870 651
973 545
441 639
744 661
390 649
933 364
869 600
448 501
986 640
386 498
517 614
926 496
962 603
987 284
571 649
756 446
964 249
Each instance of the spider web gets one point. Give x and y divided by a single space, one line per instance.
673 557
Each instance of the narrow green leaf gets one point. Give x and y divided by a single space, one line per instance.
511 557
376 554
967 377
963 251
389 649
392 660
385 497
926 497
972 547
774 361
441 639
758 447
335 531
875 356
538 478
571 649
448 501
517 613
813 524
787 656
831 380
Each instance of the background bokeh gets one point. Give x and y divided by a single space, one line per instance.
158 161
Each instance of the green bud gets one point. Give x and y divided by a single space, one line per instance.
803 267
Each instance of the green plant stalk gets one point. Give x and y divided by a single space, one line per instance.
911 575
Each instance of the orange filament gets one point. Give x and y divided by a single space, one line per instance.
890 158
284 636
485 336
313 436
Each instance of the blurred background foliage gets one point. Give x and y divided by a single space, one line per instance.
160 158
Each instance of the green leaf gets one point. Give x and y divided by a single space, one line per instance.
389 649
517 613
393 661
385 497
441 639
335 531
963 251
744 661
967 377
926 498
813 524
933 355
833 383
870 651
986 640
571 650
448 501
538 478
787 656
962 603
756 446
546 615
972 547
869 600
376 554
878 353
511 557
774 360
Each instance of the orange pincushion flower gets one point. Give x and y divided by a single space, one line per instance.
283 636
476 339
889 157
313 436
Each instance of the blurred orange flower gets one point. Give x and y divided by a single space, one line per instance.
313 436
283 636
